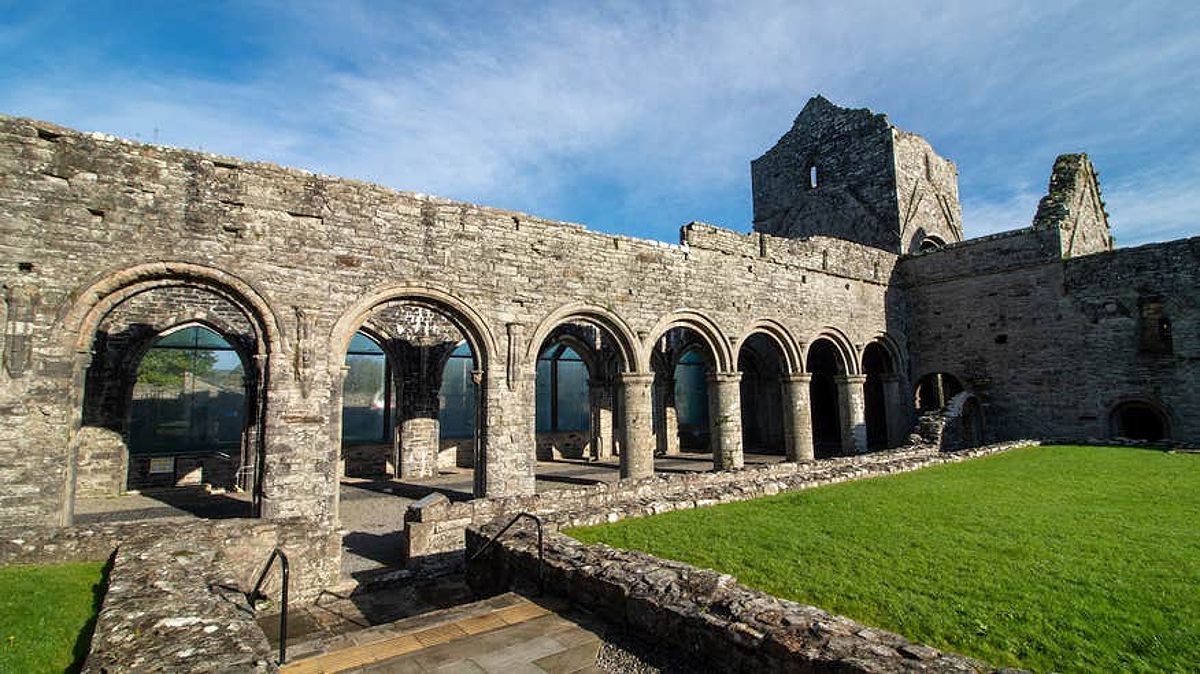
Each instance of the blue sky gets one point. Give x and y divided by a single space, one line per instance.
637 117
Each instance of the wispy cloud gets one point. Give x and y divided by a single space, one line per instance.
637 117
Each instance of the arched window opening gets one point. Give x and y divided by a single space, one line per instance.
824 364
691 400
562 391
456 398
189 401
936 389
932 242
1137 420
366 393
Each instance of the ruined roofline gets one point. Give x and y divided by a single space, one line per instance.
694 236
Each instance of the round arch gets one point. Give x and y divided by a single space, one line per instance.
710 334
595 315
83 314
468 321
895 357
1139 418
846 353
781 336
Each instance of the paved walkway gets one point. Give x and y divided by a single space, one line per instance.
507 633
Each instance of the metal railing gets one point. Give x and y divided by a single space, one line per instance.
257 594
541 546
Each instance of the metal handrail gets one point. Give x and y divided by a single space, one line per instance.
256 594
541 547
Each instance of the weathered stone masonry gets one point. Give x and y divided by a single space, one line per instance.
105 243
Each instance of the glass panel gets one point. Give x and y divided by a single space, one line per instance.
574 412
691 392
456 413
194 337
189 396
364 410
362 344
542 402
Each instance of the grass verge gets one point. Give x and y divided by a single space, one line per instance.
47 614
1059 558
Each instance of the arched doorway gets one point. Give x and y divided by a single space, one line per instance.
1139 420
395 393
824 363
934 390
877 366
173 396
762 364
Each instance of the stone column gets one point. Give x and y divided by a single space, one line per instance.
725 418
507 438
637 446
600 396
852 412
895 409
797 417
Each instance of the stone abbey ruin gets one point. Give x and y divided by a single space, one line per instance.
346 329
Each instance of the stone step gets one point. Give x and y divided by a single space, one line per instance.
507 633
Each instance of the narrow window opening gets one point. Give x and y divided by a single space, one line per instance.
812 176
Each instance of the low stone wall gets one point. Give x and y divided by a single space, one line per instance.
176 594
700 614
176 605
240 546
435 528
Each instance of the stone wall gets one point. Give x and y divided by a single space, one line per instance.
700 614
236 547
1052 346
304 260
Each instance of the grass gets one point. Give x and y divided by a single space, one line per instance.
1050 558
47 613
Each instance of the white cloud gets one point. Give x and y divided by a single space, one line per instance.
649 114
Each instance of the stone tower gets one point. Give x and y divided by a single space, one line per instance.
851 174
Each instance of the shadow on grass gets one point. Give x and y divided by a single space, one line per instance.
83 643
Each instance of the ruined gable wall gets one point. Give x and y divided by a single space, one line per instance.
926 192
1050 345
79 208
1074 208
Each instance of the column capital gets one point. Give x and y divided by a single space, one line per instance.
798 377
646 378
725 377
850 378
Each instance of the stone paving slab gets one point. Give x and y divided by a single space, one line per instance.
506 633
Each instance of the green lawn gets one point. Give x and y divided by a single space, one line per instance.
1049 558
47 614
